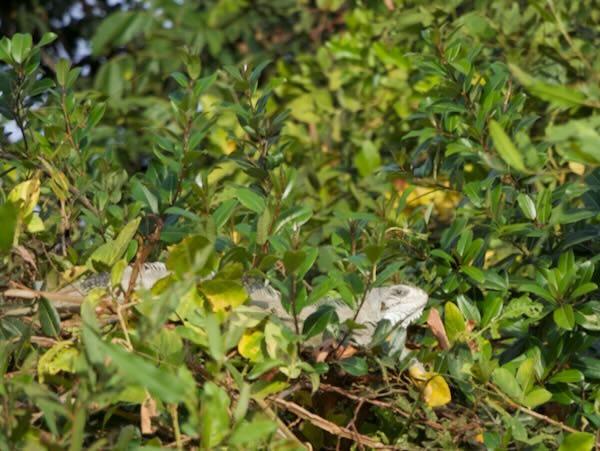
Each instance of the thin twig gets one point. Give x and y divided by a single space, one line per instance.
141 258
176 430
375 402
283 430
533 413
12 168
360 306
330 427
64 300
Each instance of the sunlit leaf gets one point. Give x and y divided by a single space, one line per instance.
436 392
505 147
577 441
249 345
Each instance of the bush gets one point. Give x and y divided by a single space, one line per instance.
328 149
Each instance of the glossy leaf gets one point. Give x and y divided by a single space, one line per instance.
505 147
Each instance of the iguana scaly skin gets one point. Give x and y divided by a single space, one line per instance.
399 304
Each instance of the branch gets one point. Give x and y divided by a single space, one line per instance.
328 426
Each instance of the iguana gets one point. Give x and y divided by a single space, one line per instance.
399 304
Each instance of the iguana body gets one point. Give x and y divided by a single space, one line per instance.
399 304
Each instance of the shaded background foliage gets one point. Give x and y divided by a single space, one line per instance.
452 144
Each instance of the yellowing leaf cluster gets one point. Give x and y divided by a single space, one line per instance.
435 390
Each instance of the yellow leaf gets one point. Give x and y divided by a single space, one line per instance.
224 294
437 392
577 168
35 224
417 372
249 345
72 273
60 357
28 193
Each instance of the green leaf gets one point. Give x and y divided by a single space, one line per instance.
465 240
181 79
468 309
356 366
303 109
474 273
296 215
557 94
9 214
21 46
544 205
577 441
96 114
216 348
367 160
540 291
116 274
570 376
178 211
62 71
564 317
507 383
262 226
108 254
255 74
505 147
49 318
251 200
571 216
527 206
526 374
135 369
224 212
192 253
250 434
454 321
119 28
577 140
292 260
47 38
214 415
261 368
318 321
537 397
5 50
234 72
41 86
374 252
583 290
311 254
150 198
110 79
204 83
443 255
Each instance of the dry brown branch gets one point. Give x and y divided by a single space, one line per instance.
282 429
145 250
330 427
60 299
375 402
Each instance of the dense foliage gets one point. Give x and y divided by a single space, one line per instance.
328 147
